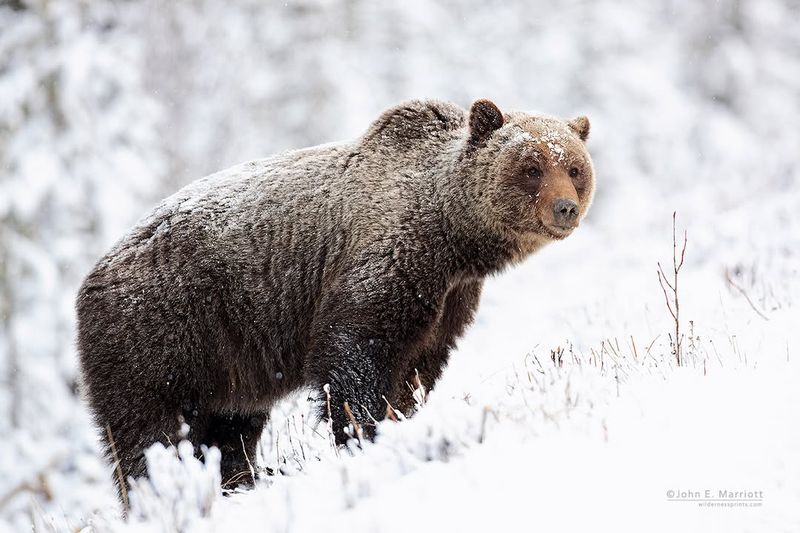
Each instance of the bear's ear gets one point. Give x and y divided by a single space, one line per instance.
580 126
484 119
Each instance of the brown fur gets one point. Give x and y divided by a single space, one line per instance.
354 265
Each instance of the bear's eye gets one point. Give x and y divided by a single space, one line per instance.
535 173
573 172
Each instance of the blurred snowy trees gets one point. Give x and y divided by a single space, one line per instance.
106 106
78 156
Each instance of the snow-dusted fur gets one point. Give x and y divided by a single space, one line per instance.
355 265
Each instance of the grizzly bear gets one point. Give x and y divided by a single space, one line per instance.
354 265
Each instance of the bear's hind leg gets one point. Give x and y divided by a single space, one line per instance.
236 436
128 436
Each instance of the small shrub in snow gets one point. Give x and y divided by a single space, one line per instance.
179 489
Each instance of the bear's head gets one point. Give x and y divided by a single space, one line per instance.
536 179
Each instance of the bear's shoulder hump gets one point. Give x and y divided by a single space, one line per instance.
415 120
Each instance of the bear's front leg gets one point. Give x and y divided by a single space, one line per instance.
358 380
457 313
362 352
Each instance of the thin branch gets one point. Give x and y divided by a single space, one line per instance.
633 345
661 272
356 425
40 486
331 436
390 413
673 304
683 250
482 435
743 293
666 296
249 464
123 490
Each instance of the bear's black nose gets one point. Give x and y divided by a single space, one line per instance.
565 212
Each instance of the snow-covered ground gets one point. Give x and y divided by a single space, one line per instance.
513 439
563 408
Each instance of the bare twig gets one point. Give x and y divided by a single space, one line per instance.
278 448
662 279
420 394
391 412
234 480
650 346
39 486
123 490
741 291
25 486
557 356
372 420
302 428
673 303
418 391
249 464
331 437
482 435
356 425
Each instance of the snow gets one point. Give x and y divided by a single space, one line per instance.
554 140
106 108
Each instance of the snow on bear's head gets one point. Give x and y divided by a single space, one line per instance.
536 177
